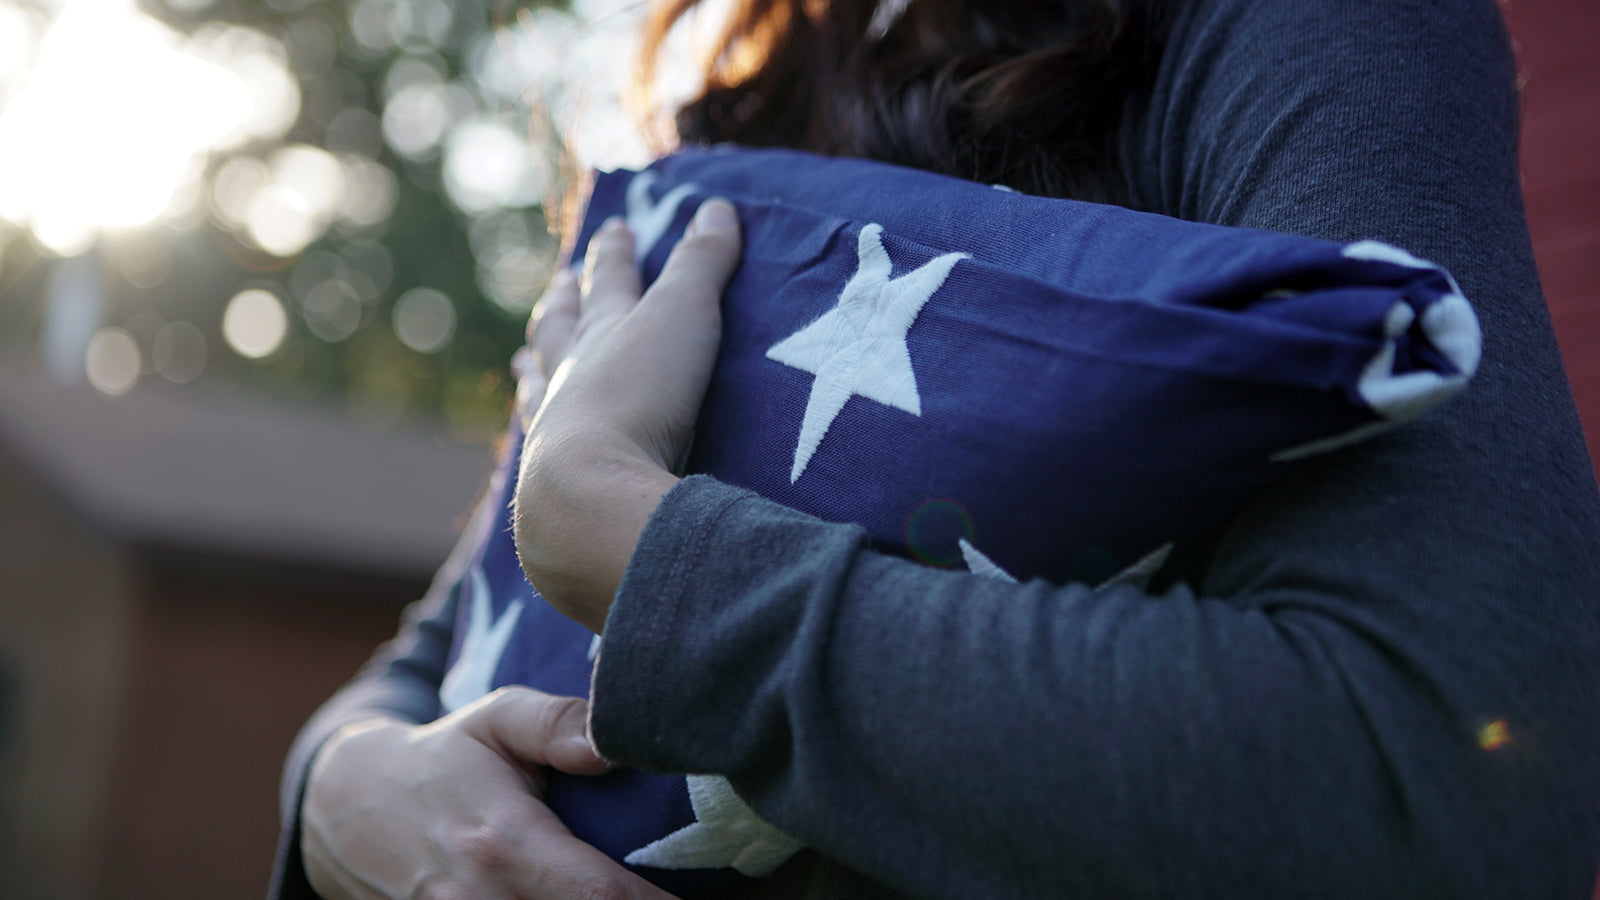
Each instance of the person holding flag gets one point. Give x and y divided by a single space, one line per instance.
1374 675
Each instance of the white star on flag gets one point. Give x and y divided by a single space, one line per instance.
649 220
473 673
726 833
859 346
979 564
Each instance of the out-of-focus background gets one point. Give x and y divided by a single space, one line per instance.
262 265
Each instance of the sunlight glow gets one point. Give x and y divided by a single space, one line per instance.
260 64
16 41
118 113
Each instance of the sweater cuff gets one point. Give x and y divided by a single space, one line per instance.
626 721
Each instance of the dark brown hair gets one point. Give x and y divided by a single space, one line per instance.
1025 93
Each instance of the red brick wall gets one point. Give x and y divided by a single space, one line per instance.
1558 51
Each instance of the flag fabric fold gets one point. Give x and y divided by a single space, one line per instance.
1051 387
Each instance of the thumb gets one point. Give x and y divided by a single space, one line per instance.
533 729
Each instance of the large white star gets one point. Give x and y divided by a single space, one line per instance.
726 834
647 219
859 346
473 673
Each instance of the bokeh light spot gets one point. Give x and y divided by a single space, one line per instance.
371 194
234 187
487 165
415 119
332 310
515 260
274 96
113 361
293 209
313 173
373 25
514 277
311 270
424 320
281 221
254 324
431 21
371 260
178 352
259 66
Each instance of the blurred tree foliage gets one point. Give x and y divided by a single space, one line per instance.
413 289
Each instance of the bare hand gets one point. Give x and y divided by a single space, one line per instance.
454 808
620 409
550 329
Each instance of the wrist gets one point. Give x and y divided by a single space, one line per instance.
582 502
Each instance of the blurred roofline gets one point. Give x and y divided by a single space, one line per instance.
189 472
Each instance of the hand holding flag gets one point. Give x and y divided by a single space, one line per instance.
383 777
621 407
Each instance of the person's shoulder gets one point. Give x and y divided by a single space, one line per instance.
1329 118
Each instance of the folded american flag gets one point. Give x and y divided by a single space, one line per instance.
1026 387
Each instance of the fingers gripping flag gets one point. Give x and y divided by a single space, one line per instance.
1017 386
